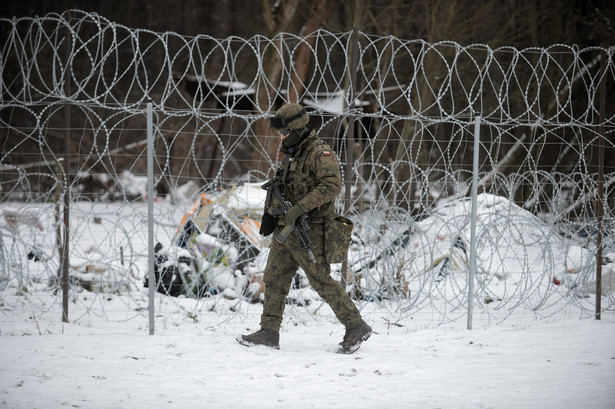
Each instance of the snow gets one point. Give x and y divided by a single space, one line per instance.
195 364
333 102
555 356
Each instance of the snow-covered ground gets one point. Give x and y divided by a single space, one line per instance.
534 343
194 362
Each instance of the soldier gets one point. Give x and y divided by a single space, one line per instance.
309 178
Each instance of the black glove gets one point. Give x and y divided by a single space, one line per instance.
267 225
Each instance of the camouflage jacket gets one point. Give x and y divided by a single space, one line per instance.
309 177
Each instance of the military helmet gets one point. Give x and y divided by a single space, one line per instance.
290 116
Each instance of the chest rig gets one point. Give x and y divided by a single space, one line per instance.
294 178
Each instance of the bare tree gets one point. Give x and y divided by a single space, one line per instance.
279 17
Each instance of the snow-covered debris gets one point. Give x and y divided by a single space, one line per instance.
216 248
220 234
133 186
333 102
511 242
607 282
216 239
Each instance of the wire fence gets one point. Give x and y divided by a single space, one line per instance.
398 113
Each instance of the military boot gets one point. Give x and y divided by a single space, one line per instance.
354 337
267 337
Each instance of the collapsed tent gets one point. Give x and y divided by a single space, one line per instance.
216 240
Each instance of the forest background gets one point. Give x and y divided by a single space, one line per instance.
517 23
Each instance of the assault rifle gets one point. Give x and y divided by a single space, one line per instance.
301 227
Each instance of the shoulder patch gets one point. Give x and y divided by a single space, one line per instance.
326 153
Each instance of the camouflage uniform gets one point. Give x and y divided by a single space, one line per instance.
310 178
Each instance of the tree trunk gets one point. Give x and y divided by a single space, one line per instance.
321 10
278 17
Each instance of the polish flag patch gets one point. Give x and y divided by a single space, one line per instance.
326 153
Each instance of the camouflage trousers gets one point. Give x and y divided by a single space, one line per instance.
282 264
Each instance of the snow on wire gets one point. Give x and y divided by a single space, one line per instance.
406 167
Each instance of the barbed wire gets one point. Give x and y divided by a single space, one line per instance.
407 166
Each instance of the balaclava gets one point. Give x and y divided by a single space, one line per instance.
294 138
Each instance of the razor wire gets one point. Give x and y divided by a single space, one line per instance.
406 167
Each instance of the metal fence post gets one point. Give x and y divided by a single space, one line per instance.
347 275
600 199
150 216
473 221
65 245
